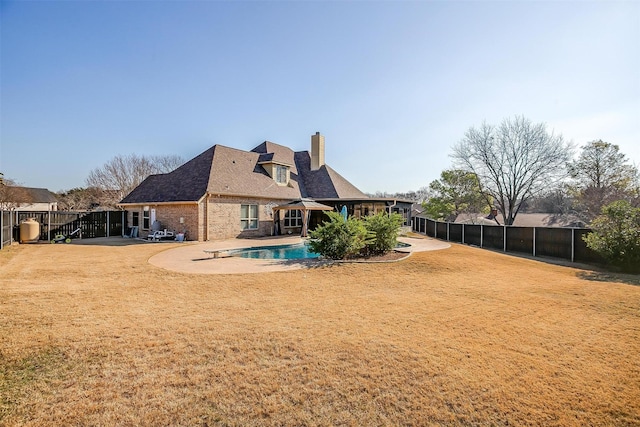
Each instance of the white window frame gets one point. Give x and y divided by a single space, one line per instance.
146 218
281 173
249 217
293 218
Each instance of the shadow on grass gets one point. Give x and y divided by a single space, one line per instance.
105 241
306 262
606 276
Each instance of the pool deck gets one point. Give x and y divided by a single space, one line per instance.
192 258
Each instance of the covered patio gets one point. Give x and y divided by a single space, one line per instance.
306 206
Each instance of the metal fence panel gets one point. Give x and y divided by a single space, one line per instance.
441 230
520 239
455 232
473 234
493 237
553 242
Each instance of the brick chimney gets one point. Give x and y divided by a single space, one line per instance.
317 151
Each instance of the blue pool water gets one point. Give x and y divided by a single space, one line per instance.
296 251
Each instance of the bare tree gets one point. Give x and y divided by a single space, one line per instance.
513 161
601 175
80 199
120 175
11 194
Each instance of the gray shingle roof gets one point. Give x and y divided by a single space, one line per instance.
229 171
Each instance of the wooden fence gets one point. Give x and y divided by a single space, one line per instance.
555 242
90 224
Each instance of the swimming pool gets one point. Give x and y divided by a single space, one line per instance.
295 251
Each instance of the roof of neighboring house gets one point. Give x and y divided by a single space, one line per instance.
41 195
32 195
524 220
228 171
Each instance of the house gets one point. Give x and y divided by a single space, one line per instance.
226 192
27 199
523 220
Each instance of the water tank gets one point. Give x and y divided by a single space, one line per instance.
29 231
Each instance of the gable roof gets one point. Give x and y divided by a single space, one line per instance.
31 195
228 171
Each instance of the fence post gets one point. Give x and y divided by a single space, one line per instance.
107 225
481 234
435 229
2 229
504 239
448 231
534 241
463 234
573 244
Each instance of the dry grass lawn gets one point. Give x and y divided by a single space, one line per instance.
94 335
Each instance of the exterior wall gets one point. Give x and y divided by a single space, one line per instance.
37 207
223 217
169 216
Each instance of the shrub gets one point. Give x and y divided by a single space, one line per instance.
337 238
616 235
386 229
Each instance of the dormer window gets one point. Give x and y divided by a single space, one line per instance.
280 175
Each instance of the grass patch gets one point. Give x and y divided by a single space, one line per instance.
25 380
94 335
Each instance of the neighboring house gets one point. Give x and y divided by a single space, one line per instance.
28 199
523 220
225 192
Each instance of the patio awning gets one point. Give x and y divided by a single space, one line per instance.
304 205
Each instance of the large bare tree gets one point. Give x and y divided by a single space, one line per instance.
11 194
600 175
120 175
513 161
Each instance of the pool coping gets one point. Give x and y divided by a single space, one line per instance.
191 258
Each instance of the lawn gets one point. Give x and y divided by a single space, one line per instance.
94 335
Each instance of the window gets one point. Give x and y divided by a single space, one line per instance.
145 218
281 174
249 217
135 220
293 218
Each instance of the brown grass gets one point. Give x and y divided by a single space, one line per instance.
93 335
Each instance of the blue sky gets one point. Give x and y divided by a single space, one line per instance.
392 85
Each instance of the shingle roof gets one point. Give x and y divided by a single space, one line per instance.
229 171
33 195
324 183
186 183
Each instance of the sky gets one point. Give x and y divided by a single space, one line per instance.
392 85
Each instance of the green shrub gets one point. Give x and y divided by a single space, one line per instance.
385 228
616 235
339 239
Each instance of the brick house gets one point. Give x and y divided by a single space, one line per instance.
225 193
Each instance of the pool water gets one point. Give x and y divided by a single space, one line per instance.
296 251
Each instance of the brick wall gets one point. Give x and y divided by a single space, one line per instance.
169 217
223 217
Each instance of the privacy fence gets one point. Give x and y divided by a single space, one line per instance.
88 224
565 243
